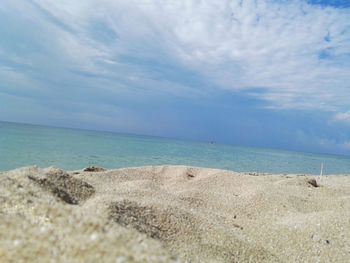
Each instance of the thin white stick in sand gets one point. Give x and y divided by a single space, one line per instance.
321 173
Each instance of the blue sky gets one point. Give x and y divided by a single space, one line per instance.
260 73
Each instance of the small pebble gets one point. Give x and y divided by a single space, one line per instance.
93 237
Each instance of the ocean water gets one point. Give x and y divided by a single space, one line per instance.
24 145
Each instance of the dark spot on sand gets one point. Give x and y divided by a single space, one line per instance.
63 185
238 226
94 169
162 224
312 182
190 175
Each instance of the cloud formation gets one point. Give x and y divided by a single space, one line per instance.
343 117
290 53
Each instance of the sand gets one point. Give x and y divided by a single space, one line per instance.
172 214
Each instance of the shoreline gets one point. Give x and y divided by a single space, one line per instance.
253 172
169 213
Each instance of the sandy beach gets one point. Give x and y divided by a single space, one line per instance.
172 214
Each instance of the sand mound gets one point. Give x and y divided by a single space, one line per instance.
152 221
172 214
65 186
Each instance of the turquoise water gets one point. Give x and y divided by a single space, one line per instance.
23 145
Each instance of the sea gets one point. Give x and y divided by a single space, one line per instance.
73 149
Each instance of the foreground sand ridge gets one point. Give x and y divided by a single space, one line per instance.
172 214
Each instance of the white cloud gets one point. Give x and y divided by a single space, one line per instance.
274 46
342 117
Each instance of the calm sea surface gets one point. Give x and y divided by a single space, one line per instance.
23 145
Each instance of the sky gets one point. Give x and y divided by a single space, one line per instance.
264 73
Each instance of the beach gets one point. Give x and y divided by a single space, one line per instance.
172 214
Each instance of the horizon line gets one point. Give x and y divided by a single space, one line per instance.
178 139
